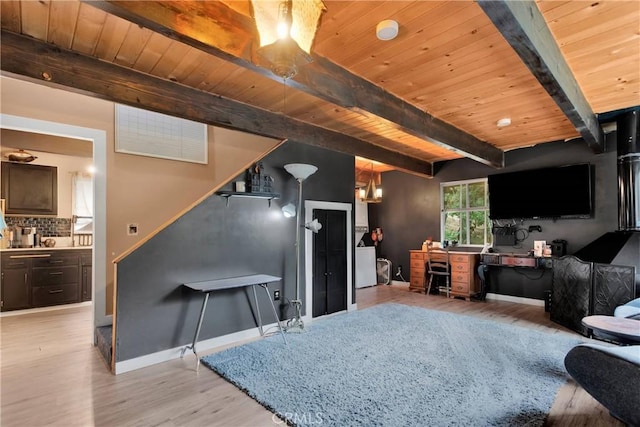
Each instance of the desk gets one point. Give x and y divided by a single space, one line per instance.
209 286
629 329
464 281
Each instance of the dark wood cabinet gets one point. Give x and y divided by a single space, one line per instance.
16 283
86 281
37 278
30 189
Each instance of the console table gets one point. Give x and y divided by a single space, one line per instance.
516 260
464 280
209 286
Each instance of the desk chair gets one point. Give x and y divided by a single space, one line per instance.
438 265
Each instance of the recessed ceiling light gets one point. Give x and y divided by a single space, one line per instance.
503 122
387 29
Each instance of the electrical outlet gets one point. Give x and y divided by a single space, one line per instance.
276 295
132 229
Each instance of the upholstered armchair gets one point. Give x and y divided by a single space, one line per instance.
630 310
611 375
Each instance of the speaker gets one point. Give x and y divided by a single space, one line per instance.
628 139
558 248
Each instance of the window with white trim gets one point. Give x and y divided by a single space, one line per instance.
465 212
82 202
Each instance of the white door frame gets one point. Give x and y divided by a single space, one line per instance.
309 206
99 139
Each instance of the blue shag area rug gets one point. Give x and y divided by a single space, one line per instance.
396 365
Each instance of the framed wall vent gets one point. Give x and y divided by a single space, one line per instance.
147 133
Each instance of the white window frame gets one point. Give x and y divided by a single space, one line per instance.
467 209
147 133
86 217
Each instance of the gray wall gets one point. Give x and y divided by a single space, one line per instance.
410 211
154 312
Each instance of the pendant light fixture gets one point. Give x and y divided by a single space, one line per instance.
21 156
372 194
287 29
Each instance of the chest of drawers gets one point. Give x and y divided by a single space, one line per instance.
464 280
417 260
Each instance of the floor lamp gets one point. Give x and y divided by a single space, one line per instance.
300 172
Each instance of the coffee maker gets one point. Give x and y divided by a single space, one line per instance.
28 237
22 237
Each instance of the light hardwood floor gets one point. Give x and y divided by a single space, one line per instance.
52 375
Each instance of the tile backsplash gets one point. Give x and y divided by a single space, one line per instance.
46 227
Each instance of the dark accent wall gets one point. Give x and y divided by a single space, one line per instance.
410 210
154 312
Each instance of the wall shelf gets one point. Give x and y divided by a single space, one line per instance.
229 194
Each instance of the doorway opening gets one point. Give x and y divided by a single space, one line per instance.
99 140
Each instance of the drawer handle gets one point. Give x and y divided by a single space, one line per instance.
57 273
57 291
459 287
30 256
56 261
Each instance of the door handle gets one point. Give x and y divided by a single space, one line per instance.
30 256
56 273
57 291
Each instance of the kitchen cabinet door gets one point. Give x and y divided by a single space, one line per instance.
86 283
16 287
30 189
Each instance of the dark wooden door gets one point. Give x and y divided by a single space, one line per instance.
330 263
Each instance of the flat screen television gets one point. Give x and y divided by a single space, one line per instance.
555 192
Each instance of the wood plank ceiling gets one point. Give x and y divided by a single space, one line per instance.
449 61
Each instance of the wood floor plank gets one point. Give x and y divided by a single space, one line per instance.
51 374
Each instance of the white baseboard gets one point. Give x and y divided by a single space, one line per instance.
202 346
519 300
44 309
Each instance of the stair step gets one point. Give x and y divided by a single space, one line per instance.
103 341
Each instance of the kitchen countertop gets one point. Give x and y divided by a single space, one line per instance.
55 248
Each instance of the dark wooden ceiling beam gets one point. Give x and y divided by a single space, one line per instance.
25 56
210 26
523 26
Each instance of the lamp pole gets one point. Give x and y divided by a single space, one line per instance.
296 324
300 172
